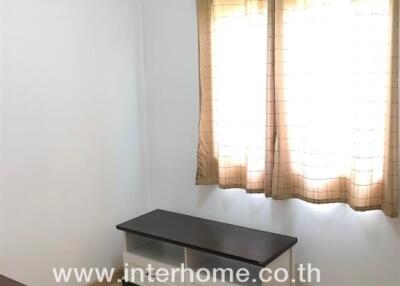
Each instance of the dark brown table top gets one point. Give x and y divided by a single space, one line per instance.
240 243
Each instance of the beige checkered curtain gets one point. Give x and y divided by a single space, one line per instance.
233 85
336 102
299 99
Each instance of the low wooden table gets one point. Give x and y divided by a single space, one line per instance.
166 239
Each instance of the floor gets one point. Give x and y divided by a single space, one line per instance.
4 281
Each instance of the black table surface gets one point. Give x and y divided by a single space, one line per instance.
240 243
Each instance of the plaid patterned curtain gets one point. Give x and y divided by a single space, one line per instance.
299 99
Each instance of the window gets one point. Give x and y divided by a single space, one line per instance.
299 99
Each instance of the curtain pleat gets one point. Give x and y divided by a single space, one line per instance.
299 99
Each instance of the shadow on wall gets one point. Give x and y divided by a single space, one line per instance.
322 229
288 215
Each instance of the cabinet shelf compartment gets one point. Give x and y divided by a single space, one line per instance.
197 260
141 251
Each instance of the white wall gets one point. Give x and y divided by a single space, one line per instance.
74 143
72 163
352 249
